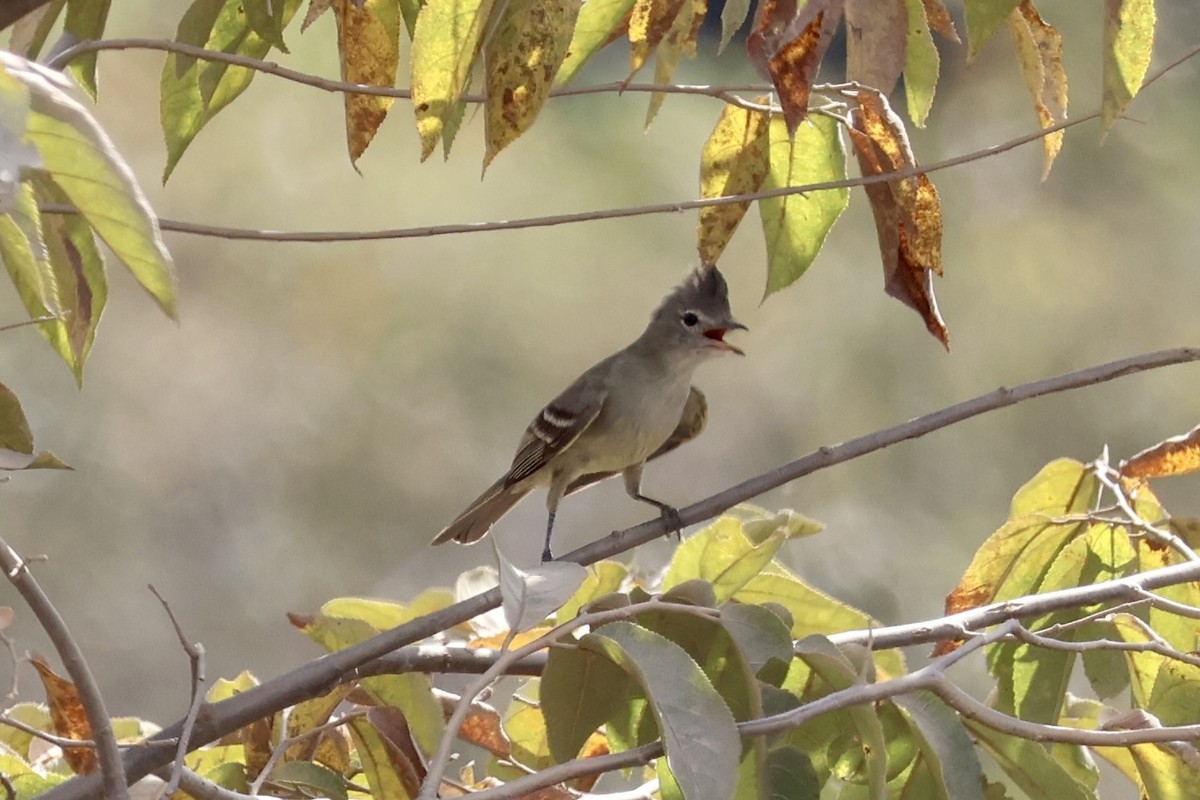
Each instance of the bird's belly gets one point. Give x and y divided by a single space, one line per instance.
627 438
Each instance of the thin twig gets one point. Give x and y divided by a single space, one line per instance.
31 321
195 654
37 733
1155 645
1174 606
332 669
287 741
73 661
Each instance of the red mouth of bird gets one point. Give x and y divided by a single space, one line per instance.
717 335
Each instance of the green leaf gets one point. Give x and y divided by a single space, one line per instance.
723 555
921 64
445 45
944 744
1029 765
795 225
266 19
733 16
580 691
790 775
1128 45
759 634
83 162
24 255
85 21
699 734
309 780
193 92
595 27
528 597
984 18
382 763
225 688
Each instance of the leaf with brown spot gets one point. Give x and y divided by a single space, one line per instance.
939 20
908 215
66 711
680 41
369 49
876 37
1178 455
733 161
649 21
786 47
315 9
482 727
388 765
522 57
1039 50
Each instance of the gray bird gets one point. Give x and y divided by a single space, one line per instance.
632 407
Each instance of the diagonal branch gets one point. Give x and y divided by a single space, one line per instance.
330 670
17 572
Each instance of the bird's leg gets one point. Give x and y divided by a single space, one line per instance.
670 514
546 554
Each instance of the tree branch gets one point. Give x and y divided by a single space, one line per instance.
317 676
17 571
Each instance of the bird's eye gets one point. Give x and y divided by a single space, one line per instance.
689 318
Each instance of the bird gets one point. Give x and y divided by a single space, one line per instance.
627 409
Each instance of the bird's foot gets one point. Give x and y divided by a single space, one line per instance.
674 522
547 555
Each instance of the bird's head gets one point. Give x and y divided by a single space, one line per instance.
696 314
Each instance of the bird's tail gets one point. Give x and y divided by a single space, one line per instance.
474 523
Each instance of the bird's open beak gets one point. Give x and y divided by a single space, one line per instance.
717 335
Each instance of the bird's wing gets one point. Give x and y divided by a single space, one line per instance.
559 424
691 423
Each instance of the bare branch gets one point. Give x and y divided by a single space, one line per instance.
107 752
195 654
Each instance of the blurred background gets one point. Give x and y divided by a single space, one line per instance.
322 410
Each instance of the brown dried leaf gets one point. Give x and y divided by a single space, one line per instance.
256 739
649 22
786 46
680 41
369 47
734 161
315 9
66 711
482 727
940 21
876 39
1039 50
1178 455
908 216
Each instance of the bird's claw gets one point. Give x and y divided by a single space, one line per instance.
674 522
547 555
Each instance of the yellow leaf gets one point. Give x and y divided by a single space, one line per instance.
1178 455
600 23
369 47
680 41
66 710
1128 44
522 57
649 22
1039 51
733 161
445 44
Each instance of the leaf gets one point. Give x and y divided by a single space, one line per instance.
699 735
759 634
85 21
522 56
795 225
315 9
388 771
580 691
30 31
733 16
603 577
308 780
266 19
908 213
25 258
193 92
722 555
921 61
939 20
649 21
1039 51
1028 764
66 710
944 744
528 597
477 581
984 18
78 269
310 715
876 37
679 41
1179 455
369 49
786 47
790 775
600 23
525 727
445 43
734 161
1128 45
